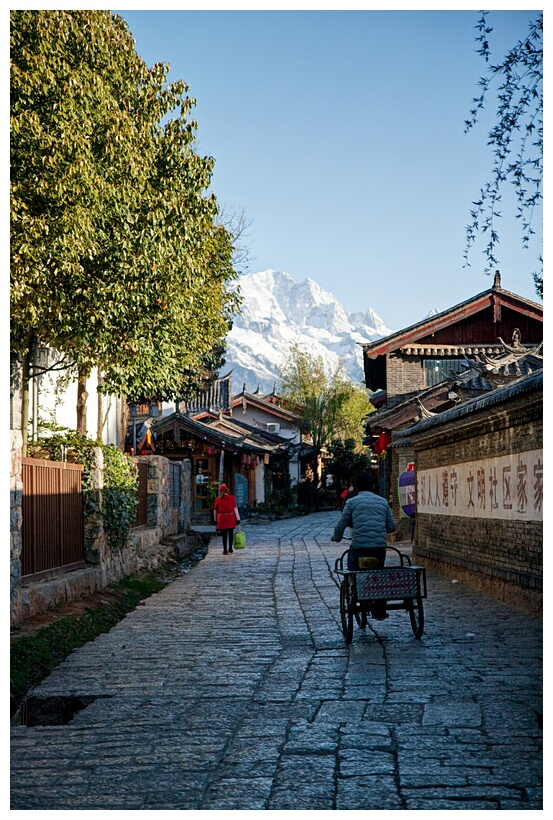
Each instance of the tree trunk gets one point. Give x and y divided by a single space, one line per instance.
82 396
25 379
100 423
25 388
123 421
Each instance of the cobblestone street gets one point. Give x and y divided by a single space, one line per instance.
233 688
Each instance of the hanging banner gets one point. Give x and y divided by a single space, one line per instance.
407 492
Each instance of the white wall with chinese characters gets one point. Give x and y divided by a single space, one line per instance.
506 487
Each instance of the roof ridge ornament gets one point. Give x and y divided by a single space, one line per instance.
497 280
423 412
518 350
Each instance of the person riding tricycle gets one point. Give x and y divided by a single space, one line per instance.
370 518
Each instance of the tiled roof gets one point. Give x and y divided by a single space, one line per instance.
215 397
244 398
451 350
526 384
403 412
248 436
216 432
407 337
485 373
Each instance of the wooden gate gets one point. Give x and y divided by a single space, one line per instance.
52 513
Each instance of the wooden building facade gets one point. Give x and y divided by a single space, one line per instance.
415 367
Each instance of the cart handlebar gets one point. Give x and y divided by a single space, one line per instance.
404 559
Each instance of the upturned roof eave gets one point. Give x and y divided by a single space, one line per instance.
440 320
401 413
267 406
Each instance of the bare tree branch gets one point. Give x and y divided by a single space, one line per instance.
237 223
516 138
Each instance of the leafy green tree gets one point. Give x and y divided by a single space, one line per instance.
351 417
516 137
117 259
346 461
333 407
302 375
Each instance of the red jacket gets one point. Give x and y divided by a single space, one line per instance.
226 512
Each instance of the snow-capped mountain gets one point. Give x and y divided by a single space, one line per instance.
277 311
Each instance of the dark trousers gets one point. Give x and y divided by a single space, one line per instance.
228 538
379 608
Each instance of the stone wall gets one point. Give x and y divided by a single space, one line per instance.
16 498
163 539
95 544
16 483
479 500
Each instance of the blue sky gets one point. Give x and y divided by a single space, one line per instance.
341 135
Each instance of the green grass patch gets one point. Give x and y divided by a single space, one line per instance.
33 657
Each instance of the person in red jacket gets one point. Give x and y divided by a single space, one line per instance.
226 517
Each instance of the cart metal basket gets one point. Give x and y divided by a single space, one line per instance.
401 587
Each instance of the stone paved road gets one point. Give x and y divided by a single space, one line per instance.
233 689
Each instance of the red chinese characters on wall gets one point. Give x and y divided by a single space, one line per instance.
502 487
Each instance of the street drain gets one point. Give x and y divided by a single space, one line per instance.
53 711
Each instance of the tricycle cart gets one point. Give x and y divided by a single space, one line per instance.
402 587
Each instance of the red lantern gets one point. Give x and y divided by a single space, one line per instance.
385 441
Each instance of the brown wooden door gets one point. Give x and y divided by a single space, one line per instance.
52 518
204 473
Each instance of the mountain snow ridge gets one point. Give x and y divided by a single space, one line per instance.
277 311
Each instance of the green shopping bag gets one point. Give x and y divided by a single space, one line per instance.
239 538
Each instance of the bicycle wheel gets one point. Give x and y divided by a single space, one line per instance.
346 614
416 616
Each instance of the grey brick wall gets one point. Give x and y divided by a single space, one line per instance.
404 378
501 557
